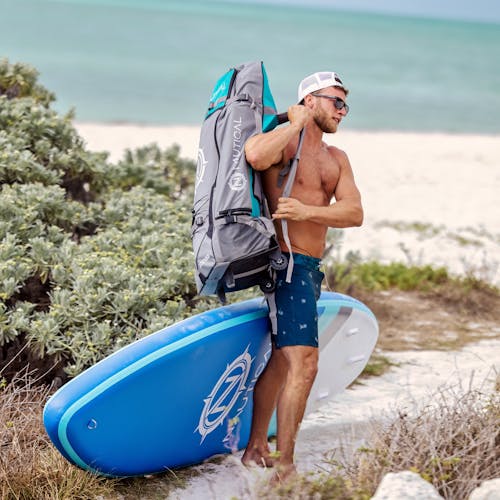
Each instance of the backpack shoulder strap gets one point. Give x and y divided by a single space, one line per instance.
291 170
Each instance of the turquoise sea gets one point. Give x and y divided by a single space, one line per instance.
156 61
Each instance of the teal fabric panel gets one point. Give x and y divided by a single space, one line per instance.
269 121
220 92
255 203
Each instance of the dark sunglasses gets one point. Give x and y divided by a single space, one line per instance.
337 101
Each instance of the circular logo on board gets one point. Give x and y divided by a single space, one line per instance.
237 182
224 395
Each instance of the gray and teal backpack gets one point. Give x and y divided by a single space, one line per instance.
234 240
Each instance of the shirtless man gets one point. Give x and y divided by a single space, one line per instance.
324 174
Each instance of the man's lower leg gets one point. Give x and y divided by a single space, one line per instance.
265 396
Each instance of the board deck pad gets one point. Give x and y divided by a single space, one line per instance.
184 393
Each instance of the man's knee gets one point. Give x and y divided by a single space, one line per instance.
303 363
310 369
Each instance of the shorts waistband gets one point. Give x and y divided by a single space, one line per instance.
306 261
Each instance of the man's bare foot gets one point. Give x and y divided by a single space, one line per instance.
283 474
256 457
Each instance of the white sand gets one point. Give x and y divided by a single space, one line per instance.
449 182
115 139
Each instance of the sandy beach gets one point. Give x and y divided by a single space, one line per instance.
429 198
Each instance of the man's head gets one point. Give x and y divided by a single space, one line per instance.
319 81
325 94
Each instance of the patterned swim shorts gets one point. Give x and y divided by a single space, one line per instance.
294 304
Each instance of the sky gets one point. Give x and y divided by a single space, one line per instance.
472 10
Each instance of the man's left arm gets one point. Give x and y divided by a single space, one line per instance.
346 211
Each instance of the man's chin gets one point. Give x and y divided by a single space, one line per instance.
331 129
328 126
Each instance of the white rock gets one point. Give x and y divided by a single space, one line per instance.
489 490
405 485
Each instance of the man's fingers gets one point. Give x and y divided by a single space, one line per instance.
284 202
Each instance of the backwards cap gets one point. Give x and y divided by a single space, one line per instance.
318 81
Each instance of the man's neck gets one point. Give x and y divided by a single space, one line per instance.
314 135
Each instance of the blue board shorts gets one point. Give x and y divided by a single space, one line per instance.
292 306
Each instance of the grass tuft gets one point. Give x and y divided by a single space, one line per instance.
453 443
30 467
377 365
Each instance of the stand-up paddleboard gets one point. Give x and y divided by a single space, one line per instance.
184 393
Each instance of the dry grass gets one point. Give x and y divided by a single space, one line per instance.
453 443
30 467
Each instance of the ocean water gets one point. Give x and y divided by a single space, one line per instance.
156 61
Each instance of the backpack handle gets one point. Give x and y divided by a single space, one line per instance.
282 117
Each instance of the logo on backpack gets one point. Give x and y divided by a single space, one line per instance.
200 167
237 182
237 143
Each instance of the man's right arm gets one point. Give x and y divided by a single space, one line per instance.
265 150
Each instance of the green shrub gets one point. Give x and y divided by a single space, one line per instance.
133 276
162 171
38 145
94 255
20 80
345 276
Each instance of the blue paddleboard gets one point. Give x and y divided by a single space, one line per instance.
184 393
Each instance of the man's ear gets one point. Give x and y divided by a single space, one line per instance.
309 100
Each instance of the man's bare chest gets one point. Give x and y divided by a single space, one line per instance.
317 174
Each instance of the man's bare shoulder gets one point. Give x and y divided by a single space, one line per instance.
338 155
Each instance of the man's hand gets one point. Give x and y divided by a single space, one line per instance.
291 209
265 150
299 115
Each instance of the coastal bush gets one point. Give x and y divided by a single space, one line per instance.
20 80
93 254
37 145
162 171
352 273
133 276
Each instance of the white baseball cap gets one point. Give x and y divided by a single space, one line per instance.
318 81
